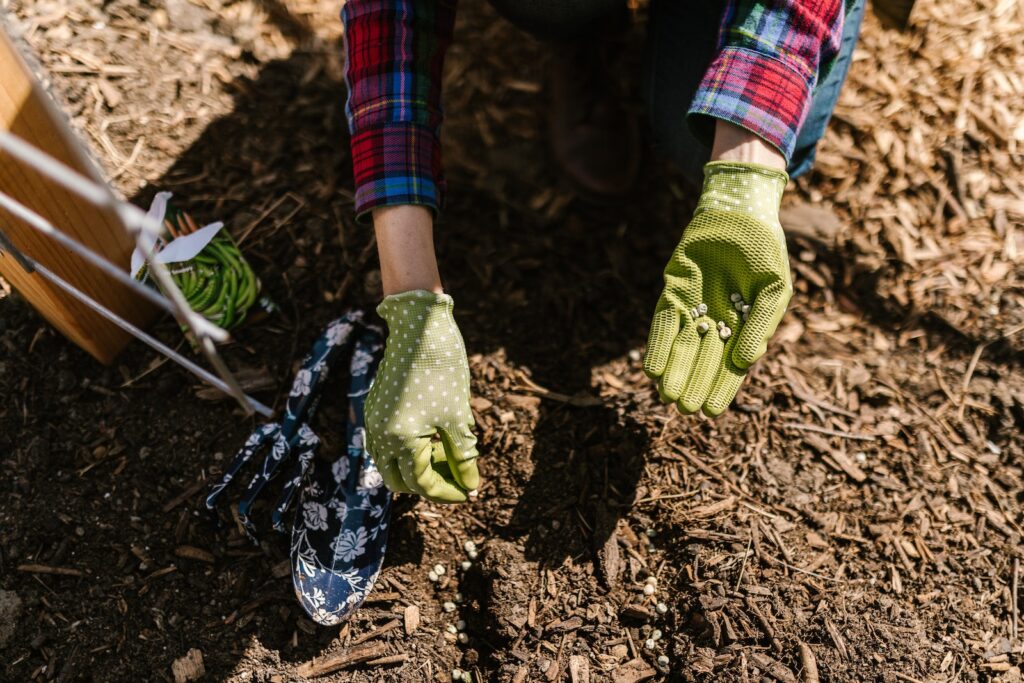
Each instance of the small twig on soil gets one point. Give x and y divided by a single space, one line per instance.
696 462
1013 330
157 364
580 401
803 571
132 158
393 659
333 663
1014 587
190 552
773 667
249 228
837 638
301 204
632 646
857 436
670 496
394 623
904 677
824 405
971 367
809 664
44 569
183 496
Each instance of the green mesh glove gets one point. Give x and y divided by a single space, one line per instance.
418 422
726 288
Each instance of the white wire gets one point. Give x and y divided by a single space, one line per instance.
47 165
134 218
145 229
203 374
46 227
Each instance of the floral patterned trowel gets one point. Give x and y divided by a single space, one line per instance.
339 535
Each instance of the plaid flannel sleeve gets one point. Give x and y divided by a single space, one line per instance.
771 55
394 57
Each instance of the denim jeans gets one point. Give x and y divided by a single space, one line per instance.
562 20
681 41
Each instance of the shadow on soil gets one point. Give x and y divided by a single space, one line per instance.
559 296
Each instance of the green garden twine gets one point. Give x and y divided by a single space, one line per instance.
218 283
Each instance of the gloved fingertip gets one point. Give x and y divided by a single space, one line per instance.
687 407
665 398
467 474
713 410
431 475
441 490
392 478
447 495
746 355
461 455
654 367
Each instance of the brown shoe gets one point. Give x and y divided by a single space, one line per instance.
594 139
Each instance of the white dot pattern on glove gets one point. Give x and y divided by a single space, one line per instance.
756 195
732 257
408 404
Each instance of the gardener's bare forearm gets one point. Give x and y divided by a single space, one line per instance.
405 244
733 143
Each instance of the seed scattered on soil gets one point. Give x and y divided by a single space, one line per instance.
858 450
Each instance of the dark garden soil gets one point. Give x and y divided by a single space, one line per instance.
858 513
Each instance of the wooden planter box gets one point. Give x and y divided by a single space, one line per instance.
27 111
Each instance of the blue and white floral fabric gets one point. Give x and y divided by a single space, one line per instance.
339 534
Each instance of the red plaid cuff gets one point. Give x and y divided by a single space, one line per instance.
755 91
397 163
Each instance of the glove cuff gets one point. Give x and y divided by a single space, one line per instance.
746 188
417 302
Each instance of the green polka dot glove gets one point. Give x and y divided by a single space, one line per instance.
726 288
418 422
